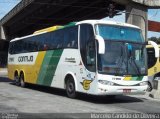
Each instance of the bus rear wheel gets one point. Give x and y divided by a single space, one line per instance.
70 88
22 83
17 80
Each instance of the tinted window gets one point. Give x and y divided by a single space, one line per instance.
11 48
87 46
58 39
62 38
109 32
71 37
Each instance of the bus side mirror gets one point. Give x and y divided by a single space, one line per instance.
101 44
156 48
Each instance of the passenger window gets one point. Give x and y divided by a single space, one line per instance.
71 37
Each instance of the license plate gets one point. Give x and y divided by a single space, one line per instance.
126 90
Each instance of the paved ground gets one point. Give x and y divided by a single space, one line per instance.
3 72
38 99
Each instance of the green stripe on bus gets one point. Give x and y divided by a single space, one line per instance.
137 78
44 67
52 67
140 78
49 67
68 25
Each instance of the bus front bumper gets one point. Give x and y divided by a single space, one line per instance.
121 90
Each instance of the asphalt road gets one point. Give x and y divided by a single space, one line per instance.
38 99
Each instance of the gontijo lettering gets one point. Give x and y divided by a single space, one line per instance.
25 59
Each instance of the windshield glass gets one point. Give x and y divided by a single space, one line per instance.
123 58
113 32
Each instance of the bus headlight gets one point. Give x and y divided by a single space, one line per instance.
104 82
143 83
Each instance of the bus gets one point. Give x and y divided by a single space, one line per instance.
95 57
153 64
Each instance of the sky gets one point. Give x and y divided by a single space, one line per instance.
154 14
6 6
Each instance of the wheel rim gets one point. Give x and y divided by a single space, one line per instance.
17 81
149 87
16 78
70 88
22 81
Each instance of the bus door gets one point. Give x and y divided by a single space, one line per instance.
88 58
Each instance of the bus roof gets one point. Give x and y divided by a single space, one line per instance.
49 29
92 22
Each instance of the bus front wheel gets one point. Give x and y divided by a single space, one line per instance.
149 88
70 88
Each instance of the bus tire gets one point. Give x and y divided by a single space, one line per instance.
149 88
22 82
17 80
70 87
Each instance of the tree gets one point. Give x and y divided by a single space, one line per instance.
155 39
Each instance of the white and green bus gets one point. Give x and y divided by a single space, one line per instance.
92 56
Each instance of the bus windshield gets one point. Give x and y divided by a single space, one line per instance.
125 52
119 61
112 32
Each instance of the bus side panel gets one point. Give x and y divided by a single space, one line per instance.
48 67
33 71
29 66
70 63
10 68
11 71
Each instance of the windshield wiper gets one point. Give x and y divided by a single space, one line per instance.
121 60
135 65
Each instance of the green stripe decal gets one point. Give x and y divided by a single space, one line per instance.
68 25
140 78
134 79
49 67
137 78
44 67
